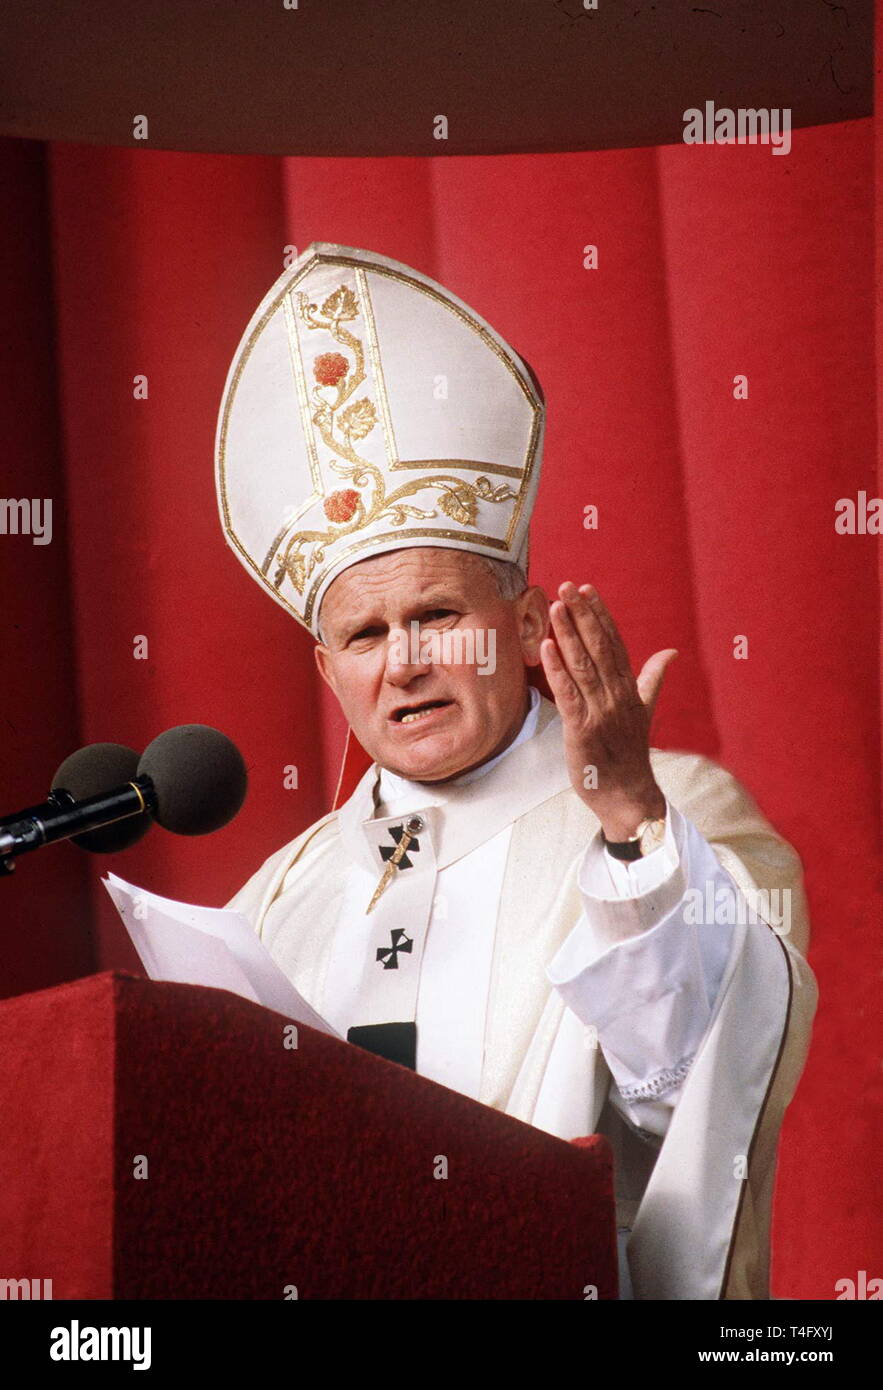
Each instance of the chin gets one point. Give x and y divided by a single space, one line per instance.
426 764
425 769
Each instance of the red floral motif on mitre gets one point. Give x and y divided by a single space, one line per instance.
329 367
341 506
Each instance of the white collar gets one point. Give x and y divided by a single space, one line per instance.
393 788
463 817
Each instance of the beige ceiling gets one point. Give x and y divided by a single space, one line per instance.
369 77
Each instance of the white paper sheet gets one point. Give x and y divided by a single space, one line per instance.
212 946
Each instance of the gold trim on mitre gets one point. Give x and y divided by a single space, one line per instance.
333 438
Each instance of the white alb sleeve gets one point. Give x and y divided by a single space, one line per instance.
643 966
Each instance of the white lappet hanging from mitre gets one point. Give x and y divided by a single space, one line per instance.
367 409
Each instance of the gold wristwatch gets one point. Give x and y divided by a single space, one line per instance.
648 837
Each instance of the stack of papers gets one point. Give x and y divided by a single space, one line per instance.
211 946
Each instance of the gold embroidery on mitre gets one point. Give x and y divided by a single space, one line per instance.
342 422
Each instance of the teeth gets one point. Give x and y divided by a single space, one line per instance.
416 714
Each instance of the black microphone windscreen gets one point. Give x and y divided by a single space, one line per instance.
199 778
98 768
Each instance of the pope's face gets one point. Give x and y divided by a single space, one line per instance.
412 700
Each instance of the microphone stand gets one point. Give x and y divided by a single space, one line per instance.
56 799
60 816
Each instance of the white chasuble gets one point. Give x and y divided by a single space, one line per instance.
443 983
572 1005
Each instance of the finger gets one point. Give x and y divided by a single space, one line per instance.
593 635
574 652
602 612
652 675
564 689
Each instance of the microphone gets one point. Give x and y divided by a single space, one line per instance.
190 780
86 776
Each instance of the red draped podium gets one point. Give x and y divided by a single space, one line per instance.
163 1141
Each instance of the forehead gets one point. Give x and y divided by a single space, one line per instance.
398 577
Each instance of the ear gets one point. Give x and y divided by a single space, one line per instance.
532 609
325 665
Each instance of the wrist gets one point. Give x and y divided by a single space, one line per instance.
620 822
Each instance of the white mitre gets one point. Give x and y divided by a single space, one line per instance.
366 409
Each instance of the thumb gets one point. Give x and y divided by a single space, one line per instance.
652 675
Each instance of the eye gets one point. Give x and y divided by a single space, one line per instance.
365 634
433 615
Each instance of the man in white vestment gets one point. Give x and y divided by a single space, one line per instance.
522 900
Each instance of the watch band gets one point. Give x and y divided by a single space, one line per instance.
633 848
627 850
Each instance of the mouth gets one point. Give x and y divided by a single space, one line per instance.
416 713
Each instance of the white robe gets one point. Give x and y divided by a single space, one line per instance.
587 998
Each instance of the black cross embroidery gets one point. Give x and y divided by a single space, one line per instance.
400 942
387 851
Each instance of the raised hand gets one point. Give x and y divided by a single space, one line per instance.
605 711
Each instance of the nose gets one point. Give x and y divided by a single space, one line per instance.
404 662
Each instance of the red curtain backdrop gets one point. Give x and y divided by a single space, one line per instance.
716 516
